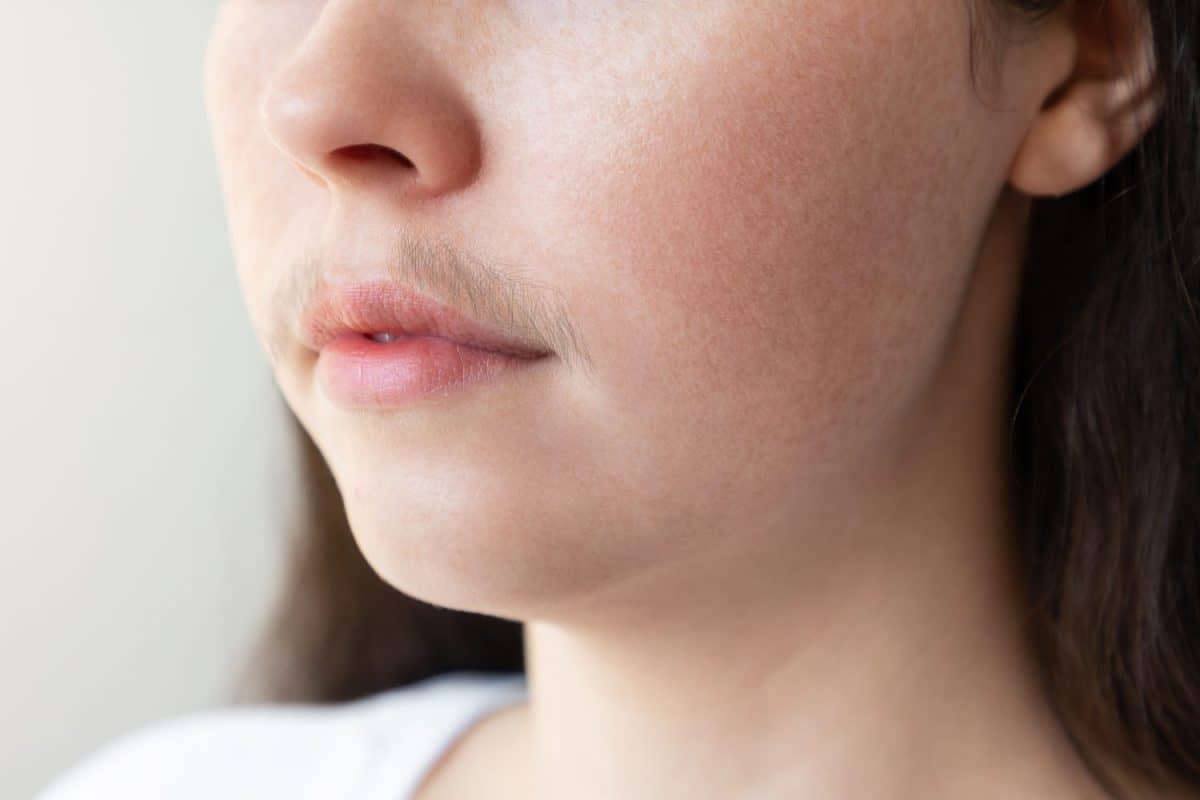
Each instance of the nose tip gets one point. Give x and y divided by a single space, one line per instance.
283 115
308 125
368 119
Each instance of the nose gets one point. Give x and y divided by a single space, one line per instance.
360 105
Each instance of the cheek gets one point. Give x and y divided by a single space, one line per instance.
767 246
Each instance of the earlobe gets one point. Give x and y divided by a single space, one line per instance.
1094 120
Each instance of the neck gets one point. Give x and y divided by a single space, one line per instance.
878 649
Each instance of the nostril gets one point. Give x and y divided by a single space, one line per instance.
368 152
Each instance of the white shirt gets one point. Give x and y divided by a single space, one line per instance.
380 747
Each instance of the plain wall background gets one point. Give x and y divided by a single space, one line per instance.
141 437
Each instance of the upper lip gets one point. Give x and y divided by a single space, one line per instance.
382 306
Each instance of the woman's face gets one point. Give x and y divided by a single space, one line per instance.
758 221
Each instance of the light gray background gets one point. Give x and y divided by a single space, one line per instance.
142 448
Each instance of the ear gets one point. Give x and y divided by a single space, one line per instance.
1092 120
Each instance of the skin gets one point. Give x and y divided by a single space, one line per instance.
761 535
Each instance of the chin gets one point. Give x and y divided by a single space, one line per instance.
483 546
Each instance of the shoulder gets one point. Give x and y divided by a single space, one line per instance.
295 750
208 753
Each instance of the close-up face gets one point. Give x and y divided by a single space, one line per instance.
744 233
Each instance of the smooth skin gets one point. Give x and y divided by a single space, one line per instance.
761 537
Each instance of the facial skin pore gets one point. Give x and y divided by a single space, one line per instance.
760 537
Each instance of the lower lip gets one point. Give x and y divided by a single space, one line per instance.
359 372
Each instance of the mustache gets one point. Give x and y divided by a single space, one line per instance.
506 298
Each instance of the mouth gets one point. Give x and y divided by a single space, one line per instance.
384 311
502 348
359 371
384 345
384 338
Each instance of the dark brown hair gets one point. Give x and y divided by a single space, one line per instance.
1106 433
1105 446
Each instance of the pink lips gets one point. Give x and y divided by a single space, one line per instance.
435 348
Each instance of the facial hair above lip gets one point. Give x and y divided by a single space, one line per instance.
529 312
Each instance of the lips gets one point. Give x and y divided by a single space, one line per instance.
383 345
386 310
